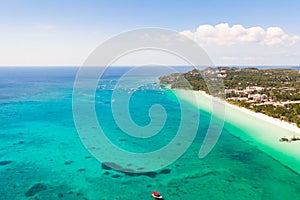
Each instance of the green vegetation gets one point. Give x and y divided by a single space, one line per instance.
274 92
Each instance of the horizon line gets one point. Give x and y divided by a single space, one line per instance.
76 66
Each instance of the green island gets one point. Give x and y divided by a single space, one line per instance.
274 92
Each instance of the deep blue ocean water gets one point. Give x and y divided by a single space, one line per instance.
42 156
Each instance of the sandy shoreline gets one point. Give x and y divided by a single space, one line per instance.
283 124
277 122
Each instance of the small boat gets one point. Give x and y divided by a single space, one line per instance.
156 195
294 138
283 139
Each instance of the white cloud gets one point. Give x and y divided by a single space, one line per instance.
223 34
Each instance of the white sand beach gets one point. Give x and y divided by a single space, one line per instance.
255 128
277 122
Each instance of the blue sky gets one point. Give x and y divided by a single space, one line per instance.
64 32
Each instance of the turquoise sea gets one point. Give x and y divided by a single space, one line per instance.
42 156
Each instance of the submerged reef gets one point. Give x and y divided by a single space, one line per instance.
130 172
38 187
5 162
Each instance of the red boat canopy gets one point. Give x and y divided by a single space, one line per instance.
155 193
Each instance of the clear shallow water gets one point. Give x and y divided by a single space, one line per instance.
42 157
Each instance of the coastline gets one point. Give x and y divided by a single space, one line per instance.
254 128
283 124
